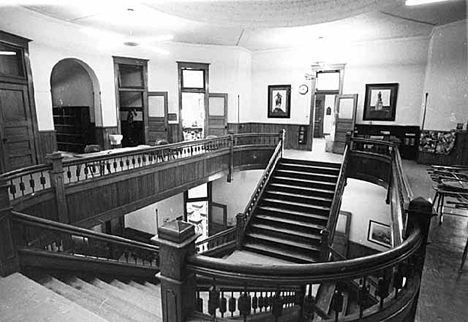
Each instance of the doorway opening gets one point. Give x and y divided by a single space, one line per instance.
193 99
197 203
75 99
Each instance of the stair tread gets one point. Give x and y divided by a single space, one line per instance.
123 306
299 196
103 309
309 173
24 300
290 221
133 290
284 241
295 203
148 303
289 186
293 212
332 184
286 231
272 250
313 164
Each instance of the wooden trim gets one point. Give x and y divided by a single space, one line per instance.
48 140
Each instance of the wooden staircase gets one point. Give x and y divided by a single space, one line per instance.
292 211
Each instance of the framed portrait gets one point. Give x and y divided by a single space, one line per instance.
379 234
279 101
380 102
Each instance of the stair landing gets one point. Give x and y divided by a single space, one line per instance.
243 256
23 300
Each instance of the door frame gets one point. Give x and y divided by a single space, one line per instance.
316 68
23 44
210 215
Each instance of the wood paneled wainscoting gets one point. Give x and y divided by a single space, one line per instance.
292 132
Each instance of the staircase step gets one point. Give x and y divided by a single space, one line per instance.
325 193
124 307
311 184
24 300
101 308
289 243
308 174
155 287
148 303
135 291
294 257
303 215
304 198
311 163
290 222
279 230
145 289
278 203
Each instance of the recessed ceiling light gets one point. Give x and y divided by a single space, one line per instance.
421 2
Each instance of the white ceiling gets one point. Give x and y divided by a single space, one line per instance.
257 25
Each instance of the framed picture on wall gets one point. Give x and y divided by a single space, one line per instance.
380 102
379 234
279 101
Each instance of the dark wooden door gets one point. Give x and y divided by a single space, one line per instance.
16 128
157 117
217 218
217 114
345 107
319 112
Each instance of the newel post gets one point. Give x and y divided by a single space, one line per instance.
176 241
324 250
57 181
231 157
420 213
348 139
282 137
9 262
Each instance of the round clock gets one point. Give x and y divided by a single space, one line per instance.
303 89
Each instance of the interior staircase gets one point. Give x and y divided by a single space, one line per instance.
292 211
75 299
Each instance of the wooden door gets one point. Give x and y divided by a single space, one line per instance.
217 114
157 117
16 128
345 107
341 238
217 218
318 118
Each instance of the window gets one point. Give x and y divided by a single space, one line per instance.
328 81
11 61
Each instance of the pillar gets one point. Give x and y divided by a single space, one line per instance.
176 241
57 181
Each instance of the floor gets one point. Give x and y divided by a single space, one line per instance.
444 291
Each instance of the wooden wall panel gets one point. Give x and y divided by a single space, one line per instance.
46 209
48 144
292 132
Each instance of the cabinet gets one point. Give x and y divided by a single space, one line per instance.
73 128
406 136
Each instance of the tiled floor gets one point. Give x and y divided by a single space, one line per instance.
444 291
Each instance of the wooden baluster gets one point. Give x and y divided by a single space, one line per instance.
261 302
69 174
31 182
255 302
337 303
244 304
21 186
42 180
277 308
222 305
382 290
362 296
12 188
232 304
199 306
398 280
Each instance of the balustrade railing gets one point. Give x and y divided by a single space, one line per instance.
221 239
28 181
46 235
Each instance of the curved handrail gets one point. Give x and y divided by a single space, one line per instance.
251 274
25 171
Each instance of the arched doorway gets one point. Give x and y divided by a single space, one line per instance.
75 100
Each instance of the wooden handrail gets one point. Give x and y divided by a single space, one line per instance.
337 197
73 230
26 171
216 236
299 274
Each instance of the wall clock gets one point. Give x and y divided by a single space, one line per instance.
303 89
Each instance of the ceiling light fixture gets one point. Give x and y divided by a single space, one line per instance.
7 53
421 2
